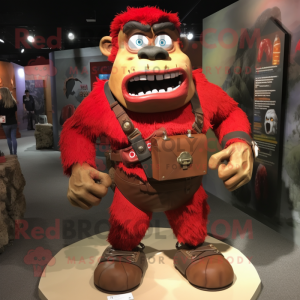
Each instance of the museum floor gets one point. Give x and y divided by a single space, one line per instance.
276 259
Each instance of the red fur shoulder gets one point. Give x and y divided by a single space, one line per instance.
215 102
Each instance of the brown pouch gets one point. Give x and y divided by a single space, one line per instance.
179 156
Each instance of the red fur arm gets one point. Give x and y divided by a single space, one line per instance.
236 121
75 147
79 133
220 109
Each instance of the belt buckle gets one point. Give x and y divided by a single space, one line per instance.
133 133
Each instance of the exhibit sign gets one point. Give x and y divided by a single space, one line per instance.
231 64
268 111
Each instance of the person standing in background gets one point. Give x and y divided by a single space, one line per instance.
29 107
8 112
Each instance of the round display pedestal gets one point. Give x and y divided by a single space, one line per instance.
69 275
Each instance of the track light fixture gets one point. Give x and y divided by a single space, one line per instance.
30 38
71 36
189 36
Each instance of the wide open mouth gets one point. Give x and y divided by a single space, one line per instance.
268 127
148 84
151 85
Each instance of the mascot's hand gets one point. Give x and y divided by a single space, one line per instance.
239 169
87 186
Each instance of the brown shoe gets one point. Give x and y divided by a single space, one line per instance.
204 267
120 271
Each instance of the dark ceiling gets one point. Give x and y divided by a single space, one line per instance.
45 18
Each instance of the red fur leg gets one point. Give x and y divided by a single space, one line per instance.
189 222
128 223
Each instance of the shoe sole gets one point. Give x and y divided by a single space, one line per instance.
212 289
116 292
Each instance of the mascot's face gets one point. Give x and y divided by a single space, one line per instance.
150 72
271 122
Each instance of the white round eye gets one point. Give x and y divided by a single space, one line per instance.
163 41
137 42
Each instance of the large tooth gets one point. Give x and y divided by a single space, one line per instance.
169 89
136 78
176 74
155 91
159 77
150 77
131 79
143 77
141 93
167 76
148 92
173 75
176 87
162 91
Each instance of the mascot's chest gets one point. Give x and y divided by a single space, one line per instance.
175 122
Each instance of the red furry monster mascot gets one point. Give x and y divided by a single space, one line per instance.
151 99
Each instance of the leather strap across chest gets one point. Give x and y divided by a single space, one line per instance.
134 135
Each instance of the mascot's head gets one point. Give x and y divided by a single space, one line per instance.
150 72
271 122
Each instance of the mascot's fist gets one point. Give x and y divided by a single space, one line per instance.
87 186
239 169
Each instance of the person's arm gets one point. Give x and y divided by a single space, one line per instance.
33 104
16 112
24 104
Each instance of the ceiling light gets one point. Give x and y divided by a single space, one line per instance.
71 36
1 41
190 36
22 50
30 38
21 72
91 20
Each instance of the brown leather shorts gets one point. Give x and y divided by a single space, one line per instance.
156 196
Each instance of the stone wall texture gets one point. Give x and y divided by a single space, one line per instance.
12 200
43 136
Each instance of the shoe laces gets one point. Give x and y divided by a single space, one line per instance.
199 249
113 254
